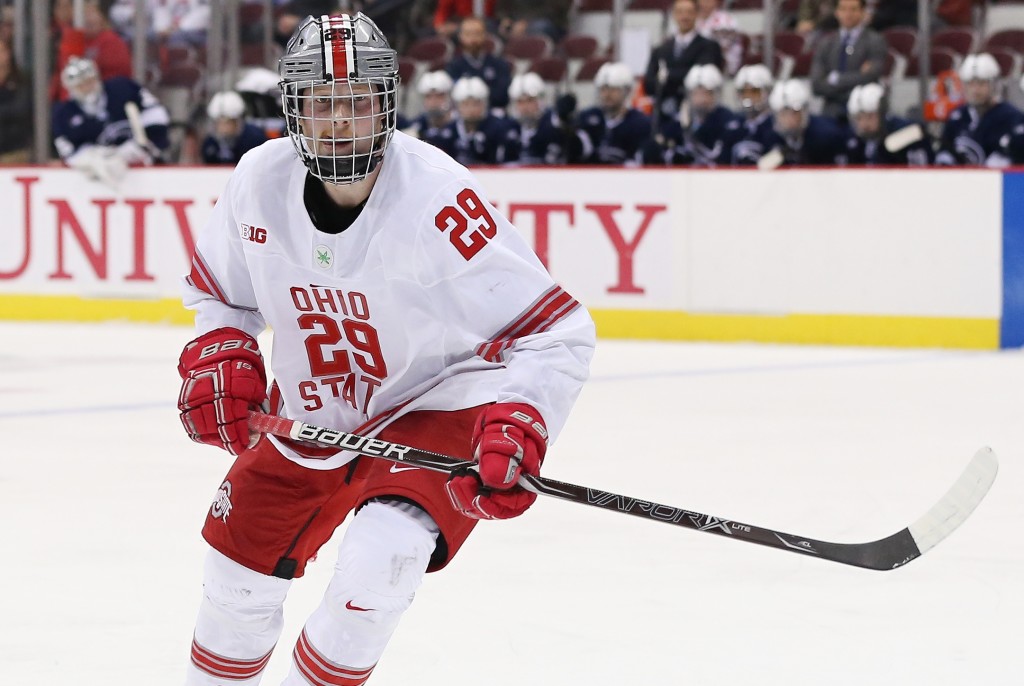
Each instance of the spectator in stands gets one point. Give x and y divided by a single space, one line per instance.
671 61
180 22
617 132
534 17
474 60
94 130
880 138
977 132
704 132
892 13
803 138
96 41
294 11
753 83
526 103
816 17
715 23
433 123
231 136
853 56
15 110
481 137
449 16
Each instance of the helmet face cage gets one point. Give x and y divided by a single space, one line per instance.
338 84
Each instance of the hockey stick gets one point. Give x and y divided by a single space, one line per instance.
131 110
886 553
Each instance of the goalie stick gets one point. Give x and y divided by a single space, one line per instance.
886 553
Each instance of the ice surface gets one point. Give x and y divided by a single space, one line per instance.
102 498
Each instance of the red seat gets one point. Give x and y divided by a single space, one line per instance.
429 49
578 46
551 69
902 39
789 43
1007 60
1008 38
528 47
941 59
590 66
802 65
659 5
406 70
181 75
957 39
595 5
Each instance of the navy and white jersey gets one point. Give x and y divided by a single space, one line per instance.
756 137
218 151
706 142
872 151
555 142
442 137
495 141
107 124
494 71
615 141
978 139
823 143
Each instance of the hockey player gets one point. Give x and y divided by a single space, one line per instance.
526 103
883 139
481 137
93 131
704 132
231 136
616 131
403 305
976 132
802 138
435 87
754 83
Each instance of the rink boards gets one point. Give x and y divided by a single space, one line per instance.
853 257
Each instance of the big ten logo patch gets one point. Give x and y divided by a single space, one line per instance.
256 234
221 507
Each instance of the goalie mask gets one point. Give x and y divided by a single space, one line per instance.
338 83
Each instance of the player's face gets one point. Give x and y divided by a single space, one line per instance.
702 99
86 89
867 124
341 118
978 92
611 98
472 110
227 128
436 103
789 122
527 108
685 14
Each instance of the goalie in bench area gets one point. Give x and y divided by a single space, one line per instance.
403 306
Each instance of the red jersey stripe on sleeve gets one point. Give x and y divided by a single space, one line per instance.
544 313
201 278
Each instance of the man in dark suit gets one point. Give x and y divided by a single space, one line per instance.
852 56
671 61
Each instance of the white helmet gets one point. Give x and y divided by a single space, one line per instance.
981 66
529 85
339 52
703 76
434 82
865 98
754 76
790 94
77 71
614 75
470 87
226 105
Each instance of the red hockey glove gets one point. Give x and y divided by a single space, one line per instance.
222 379
509 439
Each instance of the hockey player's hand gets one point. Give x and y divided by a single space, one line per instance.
222 379
510 439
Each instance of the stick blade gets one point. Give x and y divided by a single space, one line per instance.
772 159
905 137
958 503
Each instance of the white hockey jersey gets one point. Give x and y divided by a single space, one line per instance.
429 300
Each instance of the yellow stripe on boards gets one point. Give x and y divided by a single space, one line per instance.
824 329
69 308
